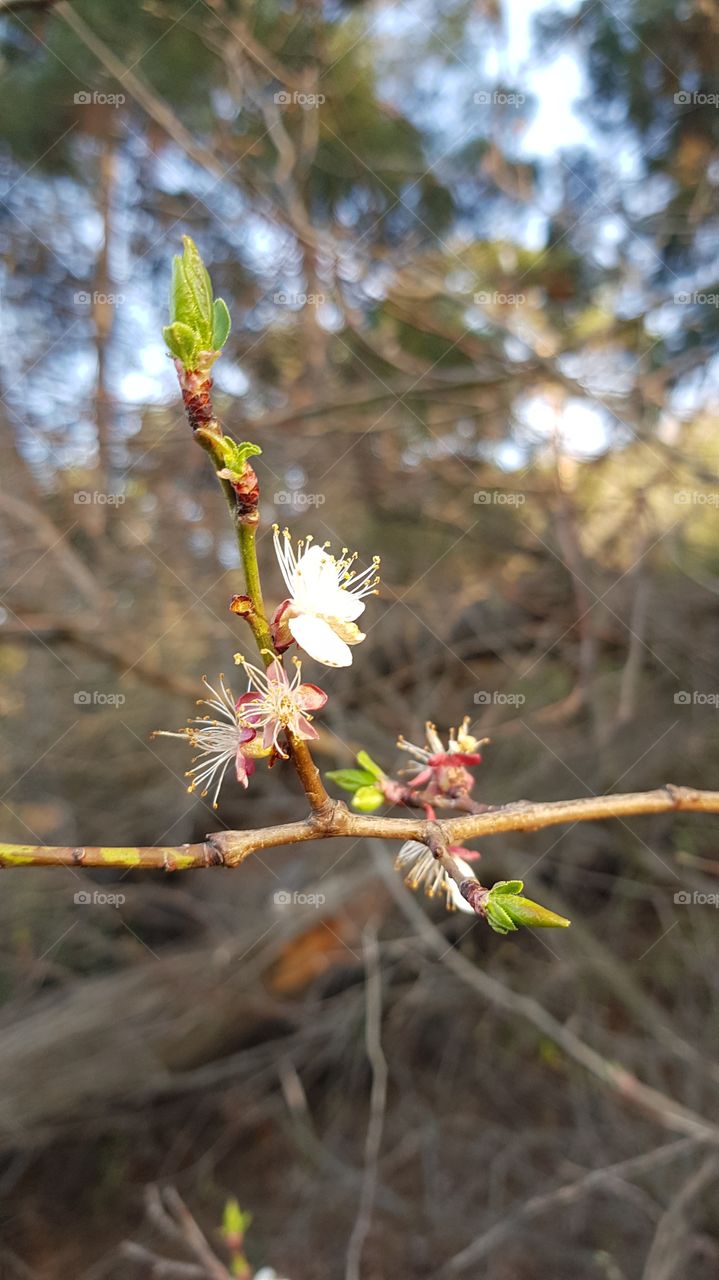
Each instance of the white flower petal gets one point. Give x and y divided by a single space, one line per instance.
317 638
343 606
315 575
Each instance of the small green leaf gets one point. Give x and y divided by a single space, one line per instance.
236 455
525 912
499 919
198 283
508 886
234 1220
368 763
350 779
220 324
367 799
191 294
182 342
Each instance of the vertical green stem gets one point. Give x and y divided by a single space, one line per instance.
246 535
210 437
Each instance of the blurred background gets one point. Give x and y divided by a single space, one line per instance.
470 252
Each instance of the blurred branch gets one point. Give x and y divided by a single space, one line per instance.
168 1212
671 1248
14 6
569 1193
665 1110
230 848
155 106
378 1104
82 634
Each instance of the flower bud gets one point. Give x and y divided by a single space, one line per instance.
367 799
506 910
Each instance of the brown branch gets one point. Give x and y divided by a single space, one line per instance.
230 848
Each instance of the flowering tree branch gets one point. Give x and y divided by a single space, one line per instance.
326 595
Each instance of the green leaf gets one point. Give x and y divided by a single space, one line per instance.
235 455
220 324
367 799
499 919
368 763
234 1220
350 779
191 294
530 914
508 886
198 282
182 342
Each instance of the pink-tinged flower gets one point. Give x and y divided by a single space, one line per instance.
442 770
325 599
274 703
220 743
421 868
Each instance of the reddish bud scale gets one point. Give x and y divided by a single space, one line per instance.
247 492
475 894
242 605
196 388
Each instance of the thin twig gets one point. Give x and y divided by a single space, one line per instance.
377 1106
659 1106
569 1193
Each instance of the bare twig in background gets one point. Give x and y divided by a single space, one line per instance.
666 1111
669 1255
560 1197
377 1105
167 1211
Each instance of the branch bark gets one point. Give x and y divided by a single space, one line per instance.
230 848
